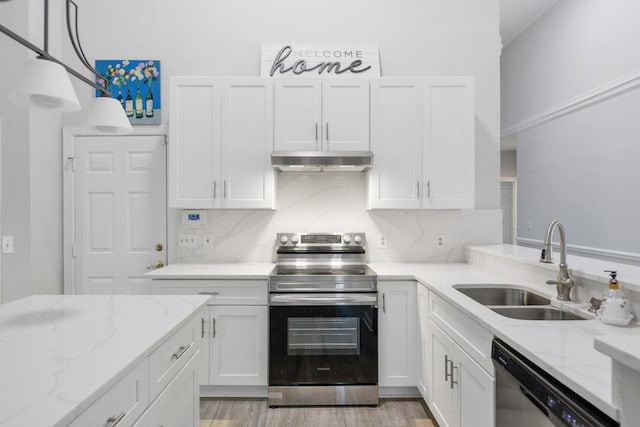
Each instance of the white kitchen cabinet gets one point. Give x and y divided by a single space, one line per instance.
179 404
321 115
396 142
461 392
424 352
397 339
219 144
194 142
238 346
448 143
422 136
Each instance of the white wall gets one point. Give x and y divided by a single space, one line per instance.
580 167
320 202
508 164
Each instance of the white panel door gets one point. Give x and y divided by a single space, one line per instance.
297 114
477 392
396 140
239 345
194 142
247 142
443 397
119 212
398 334
449 148
345 115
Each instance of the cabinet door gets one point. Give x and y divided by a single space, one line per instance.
194 142
205 340
449 147
477 392
345 115
396 140
297 114
247 142
424 353
239 345
179 404
398 334
443 395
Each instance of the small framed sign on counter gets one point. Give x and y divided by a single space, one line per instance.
309 60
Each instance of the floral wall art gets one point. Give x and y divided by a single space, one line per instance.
136 84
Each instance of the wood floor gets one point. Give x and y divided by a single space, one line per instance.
256 413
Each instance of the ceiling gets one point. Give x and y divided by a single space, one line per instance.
517 15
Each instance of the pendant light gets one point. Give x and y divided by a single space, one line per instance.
45 84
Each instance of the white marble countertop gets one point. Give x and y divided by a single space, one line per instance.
565 349
213 271
620 348
59 353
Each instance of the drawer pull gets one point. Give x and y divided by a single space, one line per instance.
182 350
208 293
114 421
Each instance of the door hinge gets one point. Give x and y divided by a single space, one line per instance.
73 163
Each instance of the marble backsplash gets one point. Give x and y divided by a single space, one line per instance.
336 202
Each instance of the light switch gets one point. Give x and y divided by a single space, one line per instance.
7 245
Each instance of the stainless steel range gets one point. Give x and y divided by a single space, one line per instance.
323 322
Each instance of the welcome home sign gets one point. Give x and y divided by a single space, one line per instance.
311 60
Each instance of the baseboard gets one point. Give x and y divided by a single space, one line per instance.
398 392
586 251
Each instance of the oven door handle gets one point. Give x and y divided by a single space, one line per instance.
324 299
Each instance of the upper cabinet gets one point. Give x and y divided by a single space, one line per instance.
321 115
422 136
221 136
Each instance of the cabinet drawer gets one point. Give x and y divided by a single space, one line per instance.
123 403
172 355
466 332
223 292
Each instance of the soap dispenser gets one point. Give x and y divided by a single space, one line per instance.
613 309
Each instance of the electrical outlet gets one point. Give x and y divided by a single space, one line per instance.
383 242
7 245
530 225
187 240
440 241
207 240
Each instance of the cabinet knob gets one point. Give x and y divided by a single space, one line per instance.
158 264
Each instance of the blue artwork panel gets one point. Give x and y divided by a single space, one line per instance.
136 84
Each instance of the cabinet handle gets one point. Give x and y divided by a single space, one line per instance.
316 131
202 328
384 305
182 350
327 126
428 189
214 327
208 293
418 189
114 421
446 368
215 188
452 381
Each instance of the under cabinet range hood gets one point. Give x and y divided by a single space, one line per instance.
321 161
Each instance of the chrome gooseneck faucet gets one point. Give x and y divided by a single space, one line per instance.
564 282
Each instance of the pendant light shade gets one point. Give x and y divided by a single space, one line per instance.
107 115
45 84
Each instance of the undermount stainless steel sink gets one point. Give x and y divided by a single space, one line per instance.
537 313
516 303
502 295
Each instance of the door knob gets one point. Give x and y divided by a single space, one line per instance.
158 264
159 247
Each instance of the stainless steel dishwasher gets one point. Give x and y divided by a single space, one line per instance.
527 396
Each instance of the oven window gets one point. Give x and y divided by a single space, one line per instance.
316 336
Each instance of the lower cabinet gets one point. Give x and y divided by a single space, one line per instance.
238 346
179 404
397 332
424 352
461 392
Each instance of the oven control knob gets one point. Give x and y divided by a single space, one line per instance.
284 239
347 239
294 239
357 239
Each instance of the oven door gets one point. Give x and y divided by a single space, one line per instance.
323 339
